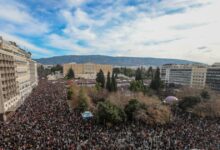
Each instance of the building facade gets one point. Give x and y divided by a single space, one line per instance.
184 75
87 70
18 77
213 77
198 78
55 76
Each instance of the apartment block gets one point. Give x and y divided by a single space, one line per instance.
198 76
165 73
213 77
185 75
87 70
18 76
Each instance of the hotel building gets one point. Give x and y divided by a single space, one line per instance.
213 77
18 76
185 75
87 70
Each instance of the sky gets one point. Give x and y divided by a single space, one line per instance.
180 29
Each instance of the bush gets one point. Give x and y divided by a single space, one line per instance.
189 102
189 91
137 86
147 100
109 113
133 106
69 94
208 109
154 115
83 104
118 99
97 95
149 92
205 95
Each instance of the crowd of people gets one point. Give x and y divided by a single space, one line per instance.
45 121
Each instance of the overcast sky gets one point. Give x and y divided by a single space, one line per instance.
182 29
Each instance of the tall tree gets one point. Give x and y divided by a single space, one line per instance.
114 83
205 94
150 72
137 86
43 72
70 74
100 78
57 68
156 83
138 74
116 70
109 83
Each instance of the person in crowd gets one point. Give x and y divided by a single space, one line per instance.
45 122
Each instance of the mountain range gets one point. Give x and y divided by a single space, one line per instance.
115 61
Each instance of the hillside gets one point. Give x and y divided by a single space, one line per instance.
116 61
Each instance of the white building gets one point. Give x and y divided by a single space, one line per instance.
55 76
18 76
186 75
213 77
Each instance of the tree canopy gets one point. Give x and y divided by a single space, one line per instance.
100 78
156 82
114 83
57 68
70 74
108 83
83 104
137 86
109 113
205 94
131 108
189 102
150 72
138 74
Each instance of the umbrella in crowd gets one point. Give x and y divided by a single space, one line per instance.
87 115
170 100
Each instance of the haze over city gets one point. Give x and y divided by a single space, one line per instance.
181 29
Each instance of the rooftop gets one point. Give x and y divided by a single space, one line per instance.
217 64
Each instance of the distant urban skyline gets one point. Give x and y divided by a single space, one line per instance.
180 29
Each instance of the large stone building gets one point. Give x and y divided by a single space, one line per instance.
18 76
87 70
213 77
185 75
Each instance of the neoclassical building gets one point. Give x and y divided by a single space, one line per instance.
87 70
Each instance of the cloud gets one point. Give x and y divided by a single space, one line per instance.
150 28
26 45
75 3
189 26
148 43
170 29
65 44
17 19
132 35
75 22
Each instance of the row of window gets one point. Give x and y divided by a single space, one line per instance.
8 81
10 103
9 94
3 56
9 75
